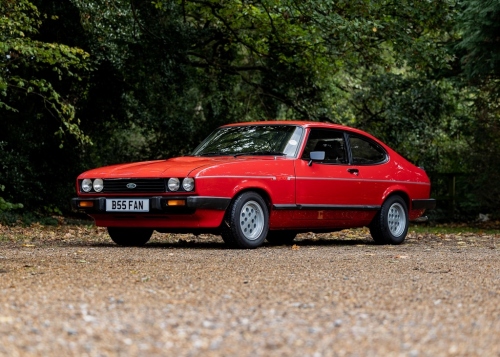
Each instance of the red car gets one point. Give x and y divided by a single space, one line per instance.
264 180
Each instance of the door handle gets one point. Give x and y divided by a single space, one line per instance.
353 171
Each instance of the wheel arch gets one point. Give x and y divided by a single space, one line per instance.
398 191
261 191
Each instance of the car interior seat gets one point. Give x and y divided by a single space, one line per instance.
333 150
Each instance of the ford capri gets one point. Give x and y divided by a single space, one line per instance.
251 182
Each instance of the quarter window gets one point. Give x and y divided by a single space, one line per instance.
366 152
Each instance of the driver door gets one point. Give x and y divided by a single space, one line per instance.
326 190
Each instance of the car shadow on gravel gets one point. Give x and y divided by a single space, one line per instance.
199 244
336 242
298 243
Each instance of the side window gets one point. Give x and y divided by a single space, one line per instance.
329 141
365 151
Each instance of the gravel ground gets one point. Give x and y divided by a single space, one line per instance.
70 291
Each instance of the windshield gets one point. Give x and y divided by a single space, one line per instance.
252 140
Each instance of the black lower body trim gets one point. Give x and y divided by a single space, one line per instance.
217 203
285 207
429 203
328 207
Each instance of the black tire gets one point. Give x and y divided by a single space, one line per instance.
246 222
390 224
130 237
281 237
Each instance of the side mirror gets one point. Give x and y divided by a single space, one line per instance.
316 156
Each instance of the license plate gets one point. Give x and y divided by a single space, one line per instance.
127 205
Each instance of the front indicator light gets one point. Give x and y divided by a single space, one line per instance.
176 203
86 204
98 185
188 184
86 185
173 184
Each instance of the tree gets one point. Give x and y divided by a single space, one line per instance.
480 27
40 83
25 60
291 55
479 53
156 77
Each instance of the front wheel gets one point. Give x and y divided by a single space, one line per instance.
390 224
246 222
130 237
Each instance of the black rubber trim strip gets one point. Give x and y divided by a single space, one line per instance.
217 203
285 207
429 203
327 207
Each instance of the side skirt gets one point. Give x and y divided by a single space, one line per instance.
327 207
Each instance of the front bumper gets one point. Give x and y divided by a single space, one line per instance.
157 204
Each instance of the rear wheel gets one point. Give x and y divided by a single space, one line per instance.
130 237
246 222
281 237
390 224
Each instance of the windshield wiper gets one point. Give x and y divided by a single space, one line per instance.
277 153
214 153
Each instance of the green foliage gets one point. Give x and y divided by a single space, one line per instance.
24 59
12 218
7 206
42 80
455 229
479 52
150 79
480 25
287 54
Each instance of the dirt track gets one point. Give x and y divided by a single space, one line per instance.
69 291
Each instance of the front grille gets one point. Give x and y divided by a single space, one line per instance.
142 185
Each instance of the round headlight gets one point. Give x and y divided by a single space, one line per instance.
188 184
173 184
98 185
86 185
